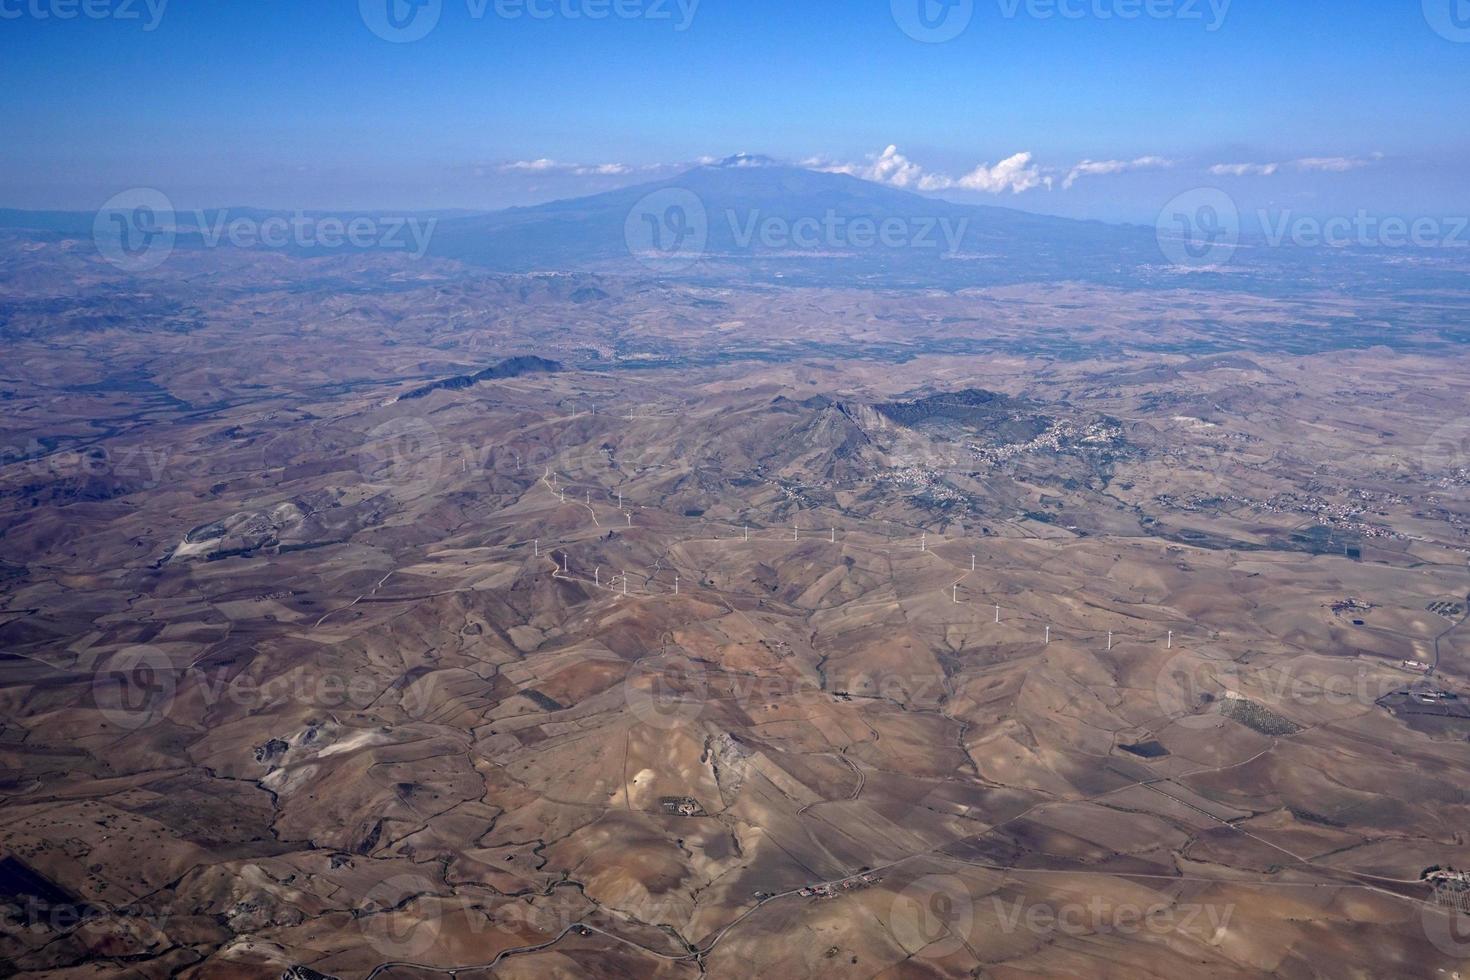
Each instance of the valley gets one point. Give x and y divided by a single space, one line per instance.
671 649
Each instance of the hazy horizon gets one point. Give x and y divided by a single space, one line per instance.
525 101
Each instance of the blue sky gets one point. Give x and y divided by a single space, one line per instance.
1315 105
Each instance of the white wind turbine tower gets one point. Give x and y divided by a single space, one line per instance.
1171 640
1110 639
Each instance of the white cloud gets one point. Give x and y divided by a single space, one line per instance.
1326 165
545 166
531 165
1331 165
892 167
1097 168
1245 169
1014 174
888 167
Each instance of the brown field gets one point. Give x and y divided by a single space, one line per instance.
293 674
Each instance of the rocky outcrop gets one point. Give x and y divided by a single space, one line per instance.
510 368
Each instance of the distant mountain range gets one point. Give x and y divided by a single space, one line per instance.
744 219
753 220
